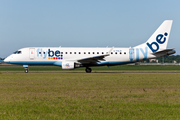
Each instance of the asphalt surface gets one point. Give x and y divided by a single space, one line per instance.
100 73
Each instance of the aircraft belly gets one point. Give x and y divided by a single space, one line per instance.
32 62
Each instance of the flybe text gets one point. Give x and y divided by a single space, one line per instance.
141 53
49 53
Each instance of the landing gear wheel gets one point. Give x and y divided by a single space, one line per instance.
88 70
26 70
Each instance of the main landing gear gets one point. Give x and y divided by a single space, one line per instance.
88 70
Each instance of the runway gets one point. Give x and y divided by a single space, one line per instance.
98 73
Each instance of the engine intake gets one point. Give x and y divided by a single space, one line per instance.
67 65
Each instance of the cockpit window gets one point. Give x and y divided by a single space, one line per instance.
17 52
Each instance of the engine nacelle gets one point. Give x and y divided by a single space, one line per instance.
67 65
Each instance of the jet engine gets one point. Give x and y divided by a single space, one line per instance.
66 65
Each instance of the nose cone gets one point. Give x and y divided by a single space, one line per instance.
8 59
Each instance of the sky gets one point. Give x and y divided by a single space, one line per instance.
84 23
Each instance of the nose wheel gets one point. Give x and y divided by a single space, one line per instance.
88 70
26 70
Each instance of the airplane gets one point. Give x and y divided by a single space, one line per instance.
74 57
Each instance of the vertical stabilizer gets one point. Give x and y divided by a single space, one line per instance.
158 41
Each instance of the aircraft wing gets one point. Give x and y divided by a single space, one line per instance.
95 58
166 52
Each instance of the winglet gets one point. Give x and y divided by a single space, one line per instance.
110 50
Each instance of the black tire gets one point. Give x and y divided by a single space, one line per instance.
88 70
26 70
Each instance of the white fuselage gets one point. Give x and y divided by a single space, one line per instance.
52 55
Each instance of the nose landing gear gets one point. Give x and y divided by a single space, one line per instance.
88 70
26 68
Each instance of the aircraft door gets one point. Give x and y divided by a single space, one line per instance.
131 54
31 53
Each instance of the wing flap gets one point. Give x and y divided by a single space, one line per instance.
93 59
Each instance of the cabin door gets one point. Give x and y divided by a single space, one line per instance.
31 53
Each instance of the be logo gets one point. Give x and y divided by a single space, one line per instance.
161 39
67 65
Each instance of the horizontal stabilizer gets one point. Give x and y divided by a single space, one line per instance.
165 52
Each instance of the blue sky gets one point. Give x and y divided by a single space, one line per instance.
81 23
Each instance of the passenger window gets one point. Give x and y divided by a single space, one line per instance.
116 53
74 52
66 53
79 52
44 52
39 52
102 52
120 53
84 52
70 52
61 52
111 52
124 52
88 52
93 52
97 52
